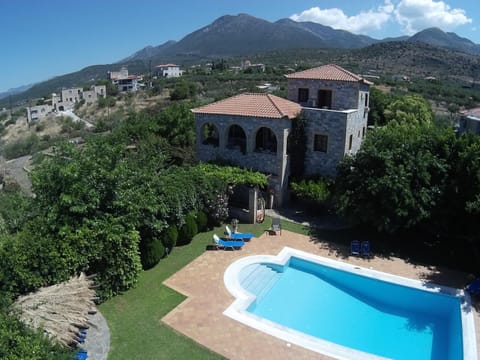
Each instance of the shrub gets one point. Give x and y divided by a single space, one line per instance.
151 253
40 127
22 147
312 190
169 237
188 230
202 221
315 194
17 341
106 102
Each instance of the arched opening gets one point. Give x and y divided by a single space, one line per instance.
209 135
265 141
237 139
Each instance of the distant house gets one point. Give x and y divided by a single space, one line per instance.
168 70
66 100
470 121
252 130
68 97
124 81
35 113
248 65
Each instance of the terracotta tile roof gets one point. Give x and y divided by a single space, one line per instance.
254 105
328 72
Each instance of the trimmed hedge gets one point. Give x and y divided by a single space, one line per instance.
151 253
170 237
202 221
188 230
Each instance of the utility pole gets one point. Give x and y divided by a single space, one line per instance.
150 70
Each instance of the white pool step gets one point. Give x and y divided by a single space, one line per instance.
258 279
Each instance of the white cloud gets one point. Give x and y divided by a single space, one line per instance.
363 22
416 15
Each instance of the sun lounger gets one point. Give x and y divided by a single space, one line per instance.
81 355
227 244
237 236
474 287
355 248
365 248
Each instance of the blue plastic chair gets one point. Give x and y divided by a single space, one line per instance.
355 247
365 248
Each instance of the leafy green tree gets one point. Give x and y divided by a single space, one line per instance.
397 178
183 90
378 103
15 210
460 210
412 109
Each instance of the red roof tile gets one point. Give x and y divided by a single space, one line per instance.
254 105
328 72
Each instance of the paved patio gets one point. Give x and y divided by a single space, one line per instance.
201 318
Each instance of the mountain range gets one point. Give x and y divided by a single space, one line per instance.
245 35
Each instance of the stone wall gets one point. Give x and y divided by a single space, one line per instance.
329 123
345 95
272 163
338 126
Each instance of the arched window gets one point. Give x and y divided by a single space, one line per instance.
237 139
210 135
265 140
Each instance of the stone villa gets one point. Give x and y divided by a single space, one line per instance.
66 100
252 130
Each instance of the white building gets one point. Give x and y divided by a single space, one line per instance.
124 81
168 70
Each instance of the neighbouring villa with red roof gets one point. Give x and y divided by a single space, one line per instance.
252 130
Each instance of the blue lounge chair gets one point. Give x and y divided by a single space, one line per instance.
474 287
237 236
365 248
355 248
81 355
228 244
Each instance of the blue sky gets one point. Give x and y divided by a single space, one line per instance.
40 39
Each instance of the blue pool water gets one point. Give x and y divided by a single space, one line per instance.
357 312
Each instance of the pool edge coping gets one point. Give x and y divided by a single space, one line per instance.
238 309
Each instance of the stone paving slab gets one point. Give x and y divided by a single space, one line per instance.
201 318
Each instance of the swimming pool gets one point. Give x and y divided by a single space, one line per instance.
349 312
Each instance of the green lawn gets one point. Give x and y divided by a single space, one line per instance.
134 318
